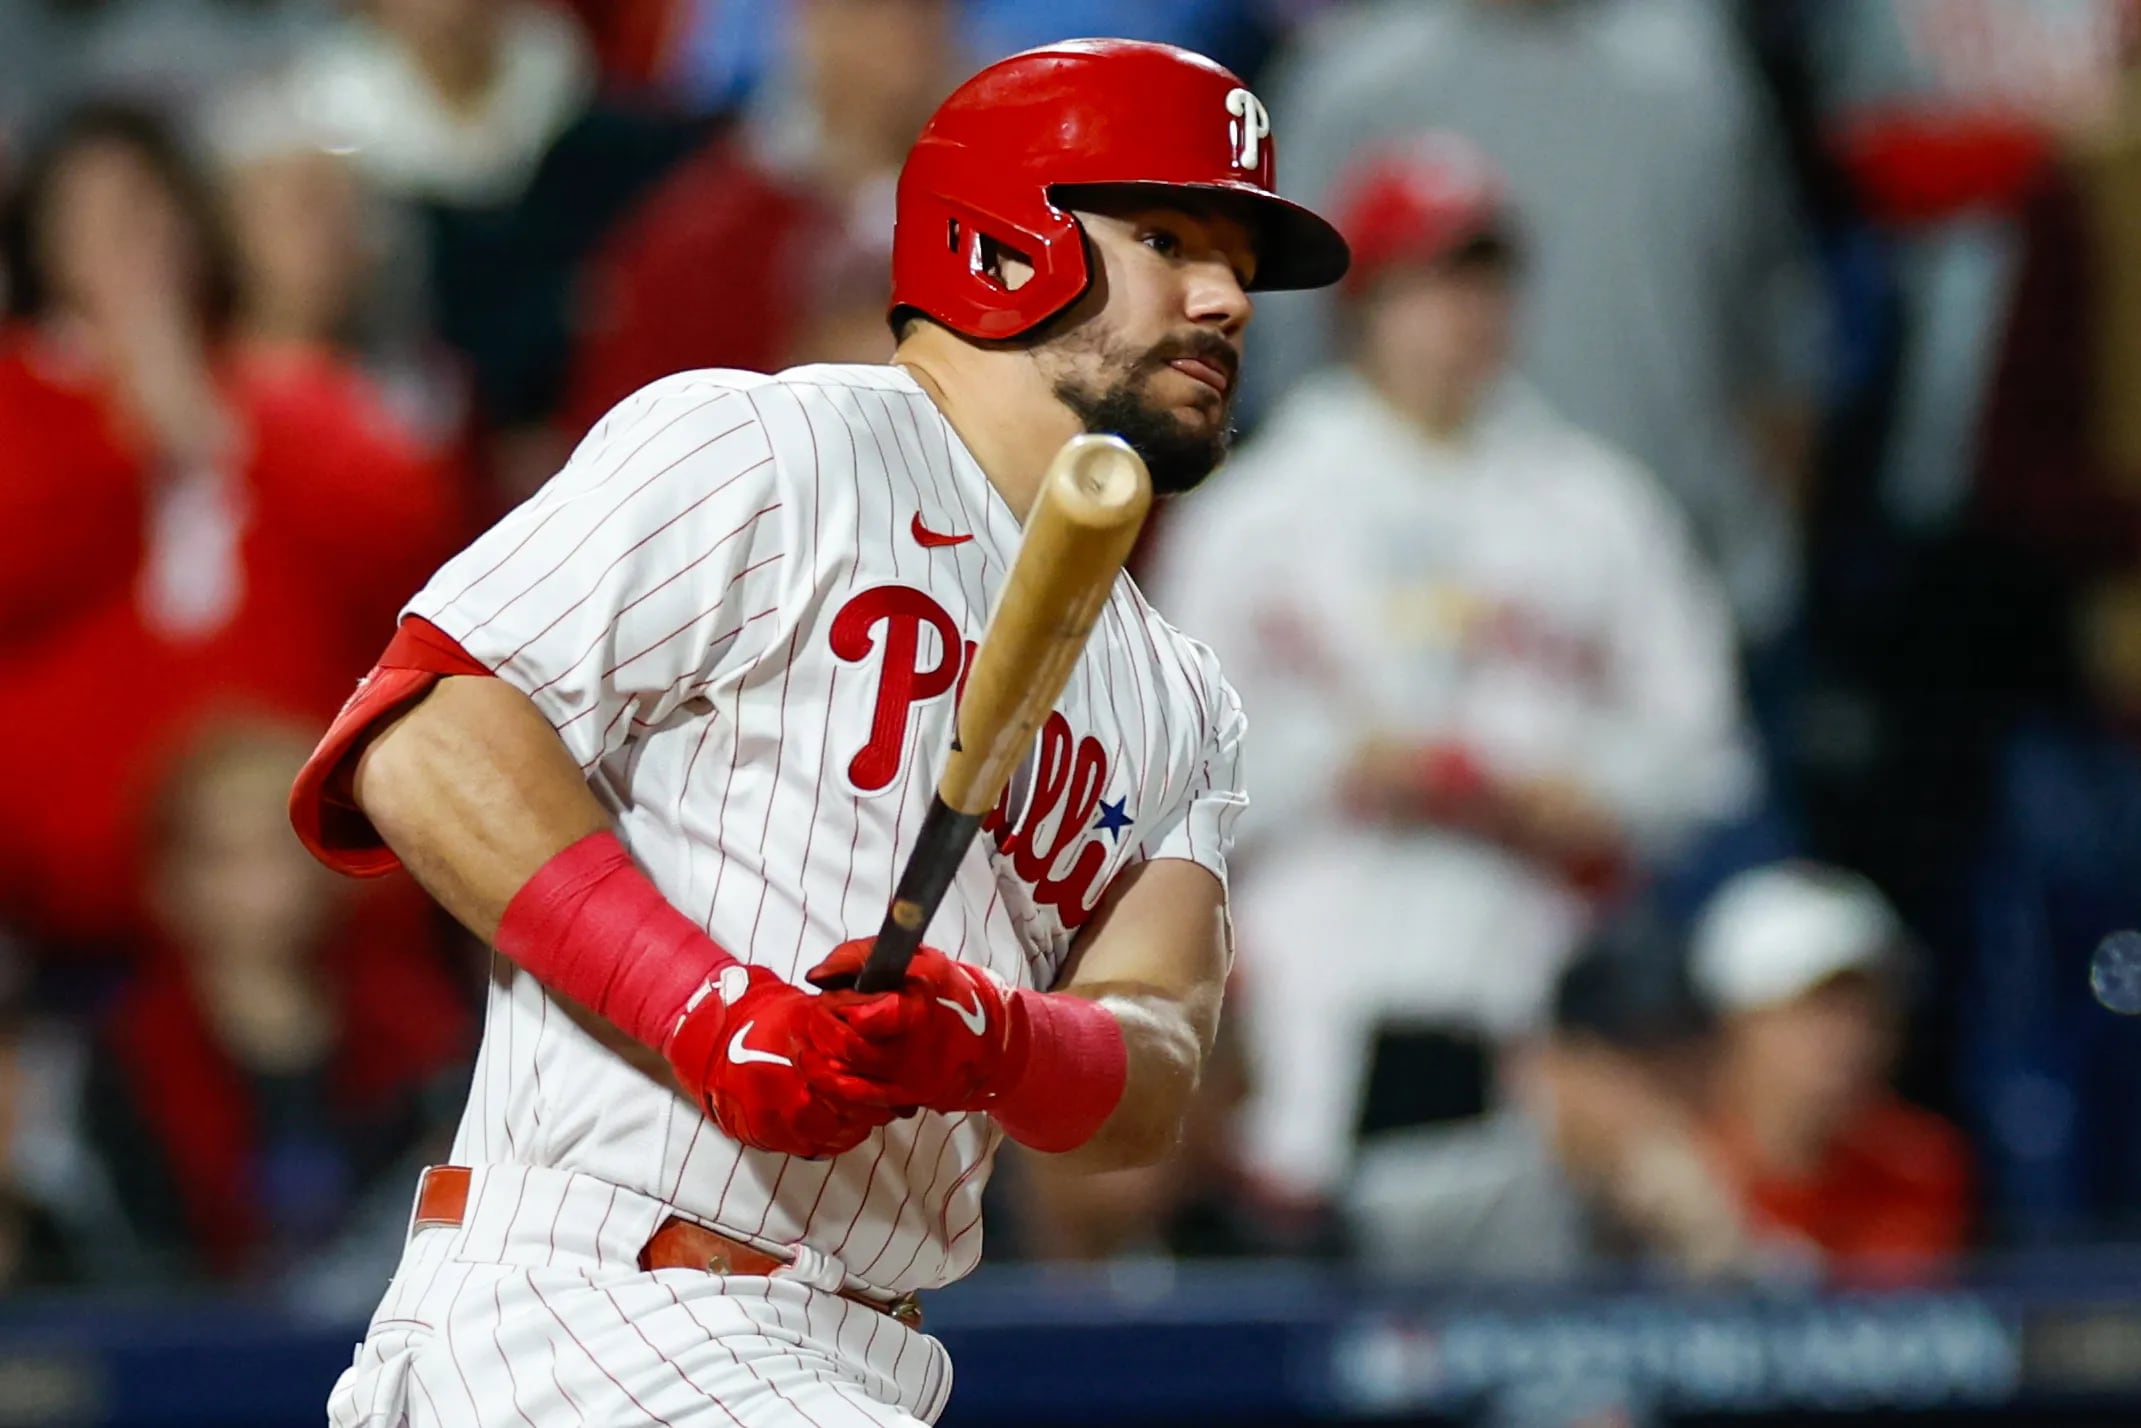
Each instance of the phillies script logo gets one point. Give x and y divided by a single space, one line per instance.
1070 773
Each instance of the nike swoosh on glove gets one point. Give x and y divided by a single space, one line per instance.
775 1068
942 1040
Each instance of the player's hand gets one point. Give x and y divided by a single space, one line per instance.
941 1040
774 1068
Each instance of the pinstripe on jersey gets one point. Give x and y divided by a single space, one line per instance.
722 604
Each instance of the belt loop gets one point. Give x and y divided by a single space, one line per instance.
441 1198
815 1268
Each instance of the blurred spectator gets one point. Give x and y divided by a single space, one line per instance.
330 272
723 50
1593 1159
453 101
34 1248
483 116
1946 115
635 42
1234 32
861 78
1981 482
1673 311
2051 480
1803 966
175 52
1983 141
288 1041
174 524
719 54
2048 1069
1490 678
771 247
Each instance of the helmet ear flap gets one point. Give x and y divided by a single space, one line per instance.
965 288
984 256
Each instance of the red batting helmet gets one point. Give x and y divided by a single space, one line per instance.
1418 201
993 160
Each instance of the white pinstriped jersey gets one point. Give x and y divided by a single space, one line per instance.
745 604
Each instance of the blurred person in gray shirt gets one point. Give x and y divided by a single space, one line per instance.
1673 310
1592 1159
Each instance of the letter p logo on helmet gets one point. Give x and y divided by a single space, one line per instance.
1248 129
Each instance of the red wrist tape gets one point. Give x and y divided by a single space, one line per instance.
591 925
1071 1066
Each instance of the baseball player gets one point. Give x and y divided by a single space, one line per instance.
662 736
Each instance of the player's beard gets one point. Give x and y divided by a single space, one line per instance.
1177 455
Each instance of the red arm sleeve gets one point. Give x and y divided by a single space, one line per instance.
322 808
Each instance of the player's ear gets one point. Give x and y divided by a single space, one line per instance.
1006 264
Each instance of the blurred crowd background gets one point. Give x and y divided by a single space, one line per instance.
1686 586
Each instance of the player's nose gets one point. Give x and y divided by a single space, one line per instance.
1216 300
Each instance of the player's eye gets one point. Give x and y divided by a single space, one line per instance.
1165 242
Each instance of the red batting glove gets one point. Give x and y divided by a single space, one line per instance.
942 1040
774 1067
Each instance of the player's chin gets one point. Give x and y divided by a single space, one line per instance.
1200 412
1182 463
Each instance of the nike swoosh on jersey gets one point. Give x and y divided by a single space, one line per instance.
977 1020
743 1055
931 540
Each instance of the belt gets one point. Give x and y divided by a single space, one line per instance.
442 1200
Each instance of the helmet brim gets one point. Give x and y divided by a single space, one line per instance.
1295 247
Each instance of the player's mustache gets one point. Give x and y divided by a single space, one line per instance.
1196 347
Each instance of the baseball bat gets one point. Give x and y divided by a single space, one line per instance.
1091 505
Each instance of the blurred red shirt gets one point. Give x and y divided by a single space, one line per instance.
712 269
178 1116
1890 1202
131 602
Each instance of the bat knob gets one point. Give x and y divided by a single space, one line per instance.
1104 474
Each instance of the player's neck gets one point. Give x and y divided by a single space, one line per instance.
1007 419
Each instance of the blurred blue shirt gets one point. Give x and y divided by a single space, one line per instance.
733 46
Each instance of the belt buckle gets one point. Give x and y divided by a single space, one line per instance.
907 1310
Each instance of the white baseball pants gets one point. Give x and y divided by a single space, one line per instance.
533 1312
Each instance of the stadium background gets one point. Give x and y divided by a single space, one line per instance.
458 229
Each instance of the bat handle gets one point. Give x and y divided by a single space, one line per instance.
939 848
896 942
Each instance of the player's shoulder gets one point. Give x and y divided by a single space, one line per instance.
815 416
680 402
835 390
785 428
764 395
823 378
1185 668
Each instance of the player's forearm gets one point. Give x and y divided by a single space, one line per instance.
1164 1048
1154 959
475 793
